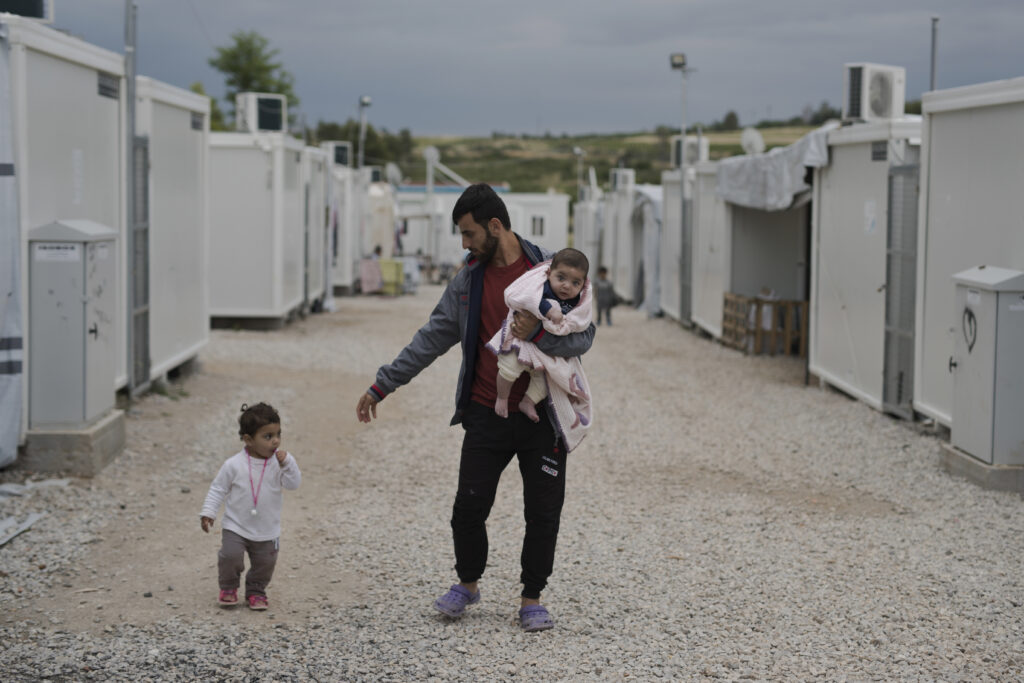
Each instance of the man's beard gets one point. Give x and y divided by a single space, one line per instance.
489 249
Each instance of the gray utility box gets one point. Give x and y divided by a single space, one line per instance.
72 308
988 365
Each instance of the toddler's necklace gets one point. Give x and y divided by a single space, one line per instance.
255 490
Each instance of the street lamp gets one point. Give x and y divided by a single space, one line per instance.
364 103
578 151
677 60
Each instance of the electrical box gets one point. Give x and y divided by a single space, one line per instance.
73 302
988 365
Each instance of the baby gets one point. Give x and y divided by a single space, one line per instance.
567 275
250 484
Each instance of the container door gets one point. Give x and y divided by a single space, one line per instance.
686 265
139 274
900 288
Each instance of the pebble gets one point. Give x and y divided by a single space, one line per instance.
722 520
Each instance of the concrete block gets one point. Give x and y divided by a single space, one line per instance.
82 452
992 477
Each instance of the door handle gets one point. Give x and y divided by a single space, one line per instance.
94 331
952 364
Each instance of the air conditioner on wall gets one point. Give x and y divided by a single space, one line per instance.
340 153
873 91
622 178
40 10
261 112
697 149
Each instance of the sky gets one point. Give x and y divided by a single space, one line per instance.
473 67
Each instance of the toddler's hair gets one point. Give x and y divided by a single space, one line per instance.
574 258
255 417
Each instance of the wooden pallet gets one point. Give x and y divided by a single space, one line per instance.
743 325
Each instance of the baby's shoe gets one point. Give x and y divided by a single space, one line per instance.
257 602
228 597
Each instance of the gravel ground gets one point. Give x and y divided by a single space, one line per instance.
722 521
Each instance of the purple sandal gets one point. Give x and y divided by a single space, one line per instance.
535 618
453 603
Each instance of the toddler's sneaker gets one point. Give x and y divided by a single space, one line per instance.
228 597
257 602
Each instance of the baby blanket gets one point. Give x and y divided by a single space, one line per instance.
568 390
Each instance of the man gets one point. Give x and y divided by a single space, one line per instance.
470 311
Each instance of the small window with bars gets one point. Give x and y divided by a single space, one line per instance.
537 226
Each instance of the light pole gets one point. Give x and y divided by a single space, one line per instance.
578 151
677 60
364 103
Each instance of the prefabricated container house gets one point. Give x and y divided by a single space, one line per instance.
257 243
541 217
172 131
342 233
864 224
711 236
64 110
314 223
972 171
587 224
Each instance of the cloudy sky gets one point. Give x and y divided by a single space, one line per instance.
471 67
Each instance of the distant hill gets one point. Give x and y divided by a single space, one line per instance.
534 164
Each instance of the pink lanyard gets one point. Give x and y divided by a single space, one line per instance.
255 491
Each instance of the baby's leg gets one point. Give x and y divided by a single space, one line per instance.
535 393
509 369
504 389
230 560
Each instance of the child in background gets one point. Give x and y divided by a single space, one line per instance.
250 484
561 293
605 296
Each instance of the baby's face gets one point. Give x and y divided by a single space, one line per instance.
265 442
566 281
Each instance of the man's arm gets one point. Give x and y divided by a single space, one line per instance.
439 334
566 346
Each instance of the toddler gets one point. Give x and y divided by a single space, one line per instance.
559 295
250 484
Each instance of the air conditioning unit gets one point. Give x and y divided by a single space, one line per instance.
873 91
623 178
375 173
697 149
261 112
40 10
340 153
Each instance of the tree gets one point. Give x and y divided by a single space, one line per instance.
216 115
731 121
248 66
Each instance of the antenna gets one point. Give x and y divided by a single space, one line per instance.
751 141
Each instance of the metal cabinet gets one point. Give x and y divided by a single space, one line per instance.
988 365
73 293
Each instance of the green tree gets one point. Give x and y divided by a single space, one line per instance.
216 115
249 65
731 121
381 146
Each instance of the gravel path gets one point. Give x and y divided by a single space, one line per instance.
722 521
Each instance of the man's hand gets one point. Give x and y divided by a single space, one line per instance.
523 324
206 523
366 409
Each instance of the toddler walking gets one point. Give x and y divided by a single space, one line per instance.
250 485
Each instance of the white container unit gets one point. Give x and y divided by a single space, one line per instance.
257 257
587 227
711 249
540 217
314 223
175 123
863 261
66 109
621 244
342 232
972 172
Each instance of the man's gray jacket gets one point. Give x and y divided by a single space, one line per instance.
457 318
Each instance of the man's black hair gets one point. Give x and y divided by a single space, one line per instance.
483 203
